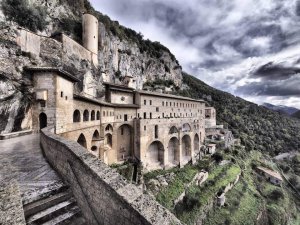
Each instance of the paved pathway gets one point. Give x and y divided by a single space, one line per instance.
21 159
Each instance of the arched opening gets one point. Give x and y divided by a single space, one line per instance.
155 154
173 130
95 141
186 127
173 151
196 144
109 128
124 144
82 141
86 115
108 140
43 120
76 116
186 148
93 115
98 115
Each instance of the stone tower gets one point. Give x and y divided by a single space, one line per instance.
90 28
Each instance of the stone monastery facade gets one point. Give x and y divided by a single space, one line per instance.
158 129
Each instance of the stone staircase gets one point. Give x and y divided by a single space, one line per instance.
55 207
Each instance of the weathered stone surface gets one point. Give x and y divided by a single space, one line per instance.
102 194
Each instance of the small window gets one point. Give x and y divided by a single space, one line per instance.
125 117
150 102
43 104
138 115
150 115
145 128
62 94
66 97
145 115
163 103
157 109
156 131
145 102
163 115
166 103
103 113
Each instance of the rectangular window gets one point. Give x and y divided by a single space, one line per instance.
145 102
145 115
145 128
43 103
163 115
66 97
166 103
157 109
156 131
150 115
125 117
62 94
163 103
150 102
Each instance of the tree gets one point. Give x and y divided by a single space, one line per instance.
24 14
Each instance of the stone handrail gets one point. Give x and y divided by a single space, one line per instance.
103 195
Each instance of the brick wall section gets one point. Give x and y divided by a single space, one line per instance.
103 195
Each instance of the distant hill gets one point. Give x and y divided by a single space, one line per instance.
296 114
281 109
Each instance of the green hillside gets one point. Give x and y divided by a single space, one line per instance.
257 127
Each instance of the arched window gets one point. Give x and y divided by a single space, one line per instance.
82 141
93 115
98 115
76 116
86 115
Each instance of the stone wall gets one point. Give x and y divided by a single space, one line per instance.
103 195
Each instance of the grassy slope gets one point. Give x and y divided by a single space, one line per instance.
258 127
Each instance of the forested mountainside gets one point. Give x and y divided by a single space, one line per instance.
257 127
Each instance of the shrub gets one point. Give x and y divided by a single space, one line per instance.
276 194
24 14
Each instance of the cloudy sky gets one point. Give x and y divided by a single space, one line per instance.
250 48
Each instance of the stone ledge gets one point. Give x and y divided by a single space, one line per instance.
15 134
101 184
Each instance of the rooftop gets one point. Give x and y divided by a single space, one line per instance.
57 70
102 103
270 172
170 96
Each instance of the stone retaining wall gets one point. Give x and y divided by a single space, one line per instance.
103 195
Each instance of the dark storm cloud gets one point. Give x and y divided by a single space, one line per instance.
287 88
270 71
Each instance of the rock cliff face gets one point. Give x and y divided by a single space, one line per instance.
117 57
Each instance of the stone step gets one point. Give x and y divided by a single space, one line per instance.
72 216
44 193
47 202
51 213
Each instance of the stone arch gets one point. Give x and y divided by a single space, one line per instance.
82 141
43 120
76 116
173 151
186 127
108 140
86 115
196 143
93 115
95 141
173 130
98 115
155 153
186 147
124 142
109 128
